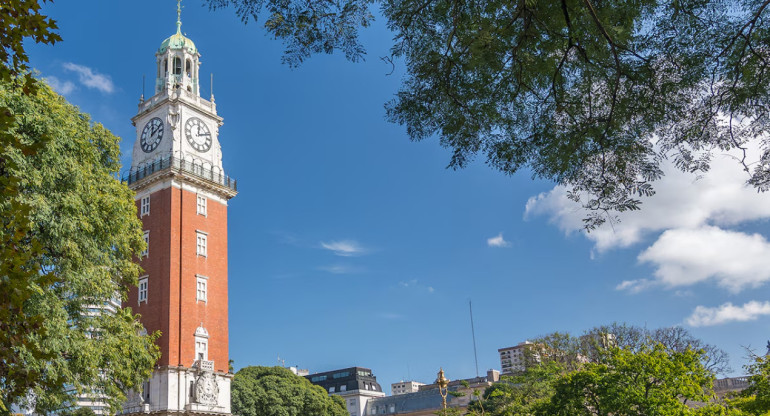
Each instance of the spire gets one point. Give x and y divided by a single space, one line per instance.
179 17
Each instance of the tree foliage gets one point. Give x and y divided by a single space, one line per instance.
276 391
20 19
755 400
593 94
650 381
635 372
69 233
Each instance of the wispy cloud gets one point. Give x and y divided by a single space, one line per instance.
341 269
704 316
91 78
344 248
415 284
62 87
634 286
498 241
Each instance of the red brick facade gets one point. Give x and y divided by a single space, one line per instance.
173 224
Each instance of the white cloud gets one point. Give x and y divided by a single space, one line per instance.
719 197
61 87
634 286
407 283
498 241
344 248
734 260
90 78
704 316
340 269
431 289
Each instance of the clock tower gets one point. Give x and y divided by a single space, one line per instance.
182 194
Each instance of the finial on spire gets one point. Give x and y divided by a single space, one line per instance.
179 16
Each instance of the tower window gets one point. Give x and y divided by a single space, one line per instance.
165 68
201 294
201 205
177 65
188 68
146 251
145 210
201 349
201 246
143 289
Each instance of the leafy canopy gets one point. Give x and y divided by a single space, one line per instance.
630 371
276 391
592 94
68 234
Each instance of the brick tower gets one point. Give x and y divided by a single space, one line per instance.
181 195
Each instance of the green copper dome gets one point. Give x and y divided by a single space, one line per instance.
178 40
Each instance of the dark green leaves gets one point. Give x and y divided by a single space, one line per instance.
276 391
591 94
68 237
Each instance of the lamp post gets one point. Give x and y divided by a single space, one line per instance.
443 387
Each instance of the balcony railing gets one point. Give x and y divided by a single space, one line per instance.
204 365
180 165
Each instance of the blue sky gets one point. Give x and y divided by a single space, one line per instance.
350 245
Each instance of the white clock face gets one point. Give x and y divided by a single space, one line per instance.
198 134
152 134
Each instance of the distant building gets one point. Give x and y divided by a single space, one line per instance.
356 385
405 387
302 372
514 359
427 400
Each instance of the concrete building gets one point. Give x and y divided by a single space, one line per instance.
357 385
403 387
514 359
427 400
182 195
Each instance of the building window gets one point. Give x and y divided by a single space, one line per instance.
201 205
331 389
145 206
201 349
344 387
146 251
202 244
143 290
202 289
177 65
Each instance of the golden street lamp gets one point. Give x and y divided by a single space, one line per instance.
443 387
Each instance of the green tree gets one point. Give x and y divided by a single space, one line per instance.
755 400
636 371
69 233
83 411
651 381
573 91
276 391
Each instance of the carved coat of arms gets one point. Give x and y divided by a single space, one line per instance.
206 389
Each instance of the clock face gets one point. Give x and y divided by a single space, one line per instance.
152 134
198 134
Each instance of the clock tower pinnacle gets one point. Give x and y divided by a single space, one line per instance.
182 194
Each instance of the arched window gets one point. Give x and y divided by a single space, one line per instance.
177 65
188 68
165 68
